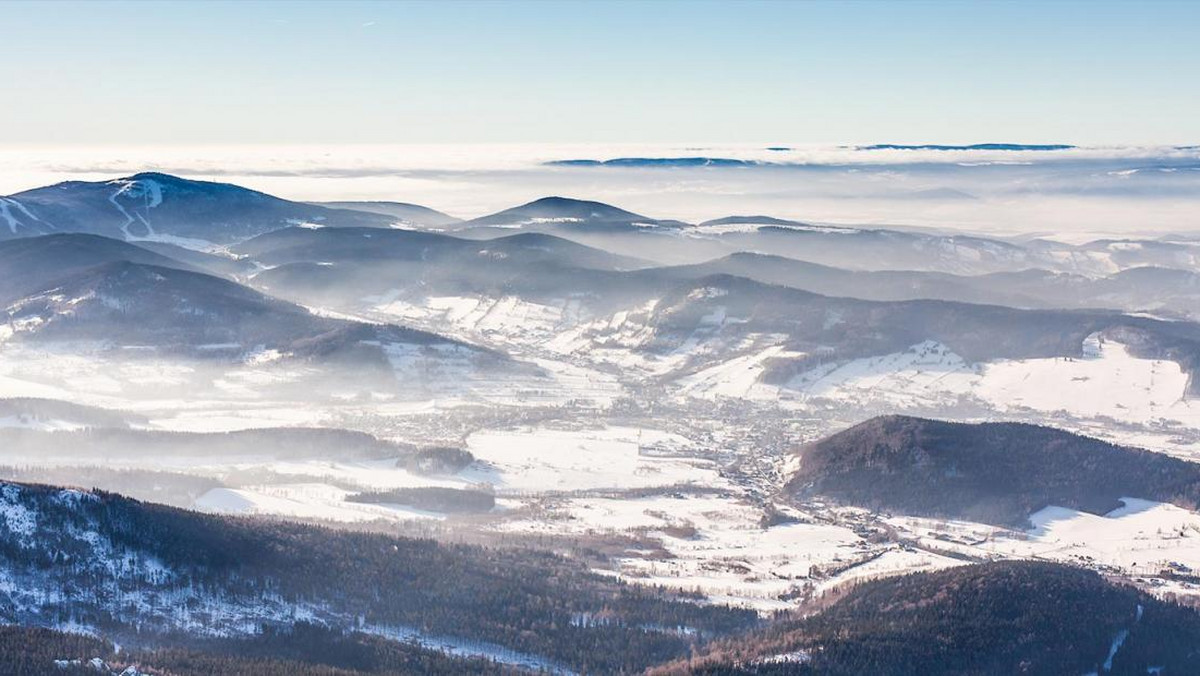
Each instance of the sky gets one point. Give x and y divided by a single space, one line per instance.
195 73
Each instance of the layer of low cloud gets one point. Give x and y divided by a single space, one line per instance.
1130 191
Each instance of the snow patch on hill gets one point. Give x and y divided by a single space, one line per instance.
507 318
29 422
928 372
10 212
1108 382
1139 539
737 377
302 501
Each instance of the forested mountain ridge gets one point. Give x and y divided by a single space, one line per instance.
302 650
990 619
158 576
996 473
157 206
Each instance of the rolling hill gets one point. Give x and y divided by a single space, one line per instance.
983 620
570 215
998 473
156 577
155 206
405 213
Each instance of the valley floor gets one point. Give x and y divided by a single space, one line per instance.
650 467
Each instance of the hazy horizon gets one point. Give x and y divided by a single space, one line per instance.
1073 194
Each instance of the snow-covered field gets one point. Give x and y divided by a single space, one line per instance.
718 545
1106 382
714 544
1142 538
552 460
1109 383
928 373
302 501
737 377
523 463
42 424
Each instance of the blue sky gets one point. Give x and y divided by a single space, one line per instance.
563 72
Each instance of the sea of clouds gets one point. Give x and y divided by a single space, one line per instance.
1073 193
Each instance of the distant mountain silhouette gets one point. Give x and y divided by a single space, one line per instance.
168 208
974 146
411 214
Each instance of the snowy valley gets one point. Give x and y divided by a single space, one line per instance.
545 382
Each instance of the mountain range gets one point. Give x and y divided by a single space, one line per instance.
566 437
153 206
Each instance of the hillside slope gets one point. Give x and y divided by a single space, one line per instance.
149 575
996 473
162 207
982 620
